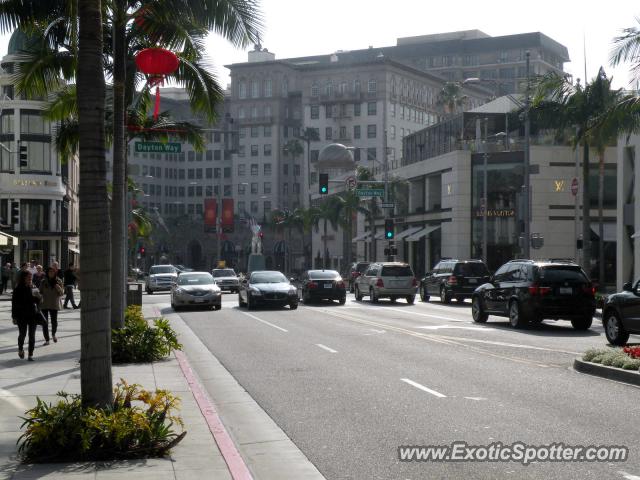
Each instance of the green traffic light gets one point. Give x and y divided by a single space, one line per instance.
324 189
389 234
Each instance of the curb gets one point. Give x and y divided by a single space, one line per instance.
631 377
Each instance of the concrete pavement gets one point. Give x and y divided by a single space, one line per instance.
266 452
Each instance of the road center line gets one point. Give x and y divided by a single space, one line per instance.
412 312
264 321
324 347
423 388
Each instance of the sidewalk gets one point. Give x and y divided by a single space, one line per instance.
56 367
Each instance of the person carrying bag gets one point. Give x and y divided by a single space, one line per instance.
24 312
51 291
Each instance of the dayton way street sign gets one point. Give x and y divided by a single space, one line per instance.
370 192
158 147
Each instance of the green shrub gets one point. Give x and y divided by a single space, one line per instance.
138 342
615 355
140 424
590 354
598 358
632 364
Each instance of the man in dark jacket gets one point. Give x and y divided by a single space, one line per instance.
69 283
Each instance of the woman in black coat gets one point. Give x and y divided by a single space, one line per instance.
24 306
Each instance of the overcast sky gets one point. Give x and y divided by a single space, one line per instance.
301 27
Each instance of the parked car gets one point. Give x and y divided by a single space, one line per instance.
196 289
356 269
266 287
621 314
160 278
227 279
391 280
453 279
530 291
317 285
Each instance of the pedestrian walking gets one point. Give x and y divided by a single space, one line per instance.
7 273
52 291
69 283
24 308
38 276
32 267
78 282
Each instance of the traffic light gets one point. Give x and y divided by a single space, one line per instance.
324 183
142 251
389 230
22 154
15 213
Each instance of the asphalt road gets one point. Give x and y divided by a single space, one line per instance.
350 384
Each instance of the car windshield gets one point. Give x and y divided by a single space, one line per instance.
228 272
161 269
195 279
268 277
323 275
397 271
561 274
362 267
471 270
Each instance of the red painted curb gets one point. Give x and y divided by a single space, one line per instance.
237 467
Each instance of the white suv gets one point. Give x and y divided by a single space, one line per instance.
391 280
226 279
160 277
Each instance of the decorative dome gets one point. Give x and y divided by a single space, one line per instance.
20 42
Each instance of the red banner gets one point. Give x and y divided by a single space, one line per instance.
227 214
210 213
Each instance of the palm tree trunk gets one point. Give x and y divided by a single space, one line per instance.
324 246
586 207
95 249
600 218
372 229
118 208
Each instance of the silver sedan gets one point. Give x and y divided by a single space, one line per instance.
195 289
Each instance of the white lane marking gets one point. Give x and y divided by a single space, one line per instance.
505 344
324 347
628 476
377 331
423 388
438 327
440 317
477 399
264 321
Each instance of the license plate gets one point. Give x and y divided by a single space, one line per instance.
199 300
472 280
565 290
327 285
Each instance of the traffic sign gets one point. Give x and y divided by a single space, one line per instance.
387 205
158 147
351 183
370 192
574 186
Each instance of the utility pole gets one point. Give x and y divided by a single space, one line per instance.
527 178
485 196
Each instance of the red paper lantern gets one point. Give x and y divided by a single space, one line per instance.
156 63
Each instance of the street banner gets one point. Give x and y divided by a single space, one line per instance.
210 213
227 215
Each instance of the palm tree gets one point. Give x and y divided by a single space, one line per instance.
450 97
309 135
95 353
626 47
293 148
349 204
327 212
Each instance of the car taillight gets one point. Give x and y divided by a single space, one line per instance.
312 285
537 290
414 282
589 290
452 280
340 284
380 283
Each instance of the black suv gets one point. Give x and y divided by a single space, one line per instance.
531 291
621 314
453 279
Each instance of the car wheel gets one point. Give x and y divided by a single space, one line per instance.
614 329
306 298
358 294
373 298
423 294
217 307
393 299
149 292
460 299
477 312
444 297
583 323
515 315
293 306
343 300
410 299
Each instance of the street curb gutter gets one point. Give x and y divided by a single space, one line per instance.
265 448
611 373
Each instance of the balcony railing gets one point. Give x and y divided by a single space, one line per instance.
256 120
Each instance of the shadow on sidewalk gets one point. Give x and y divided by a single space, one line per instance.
42 378
38 345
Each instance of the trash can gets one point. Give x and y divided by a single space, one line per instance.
134 294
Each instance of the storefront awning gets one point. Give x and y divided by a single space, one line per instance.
407 232
609 231
8 240
422 233
361 238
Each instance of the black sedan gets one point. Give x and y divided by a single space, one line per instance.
322 285
621 314
267 288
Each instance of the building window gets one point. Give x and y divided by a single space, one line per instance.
209 155
328 88
343 132
199 173
296 188
267 169
296 170
198 191
285 169
227 172
32 122
217 172
356 109
356 86
267 131
392 110
254 169
393 132
314 155
254 207
372 108
241 152
254 188
254 112
285 87
315 90
371 131
328 111
315 112
356 131
34 215
191 191
242 90
254 150
198 156
241 189
267 207
191 174
241 113
192 209
217 155
267 88
209 173
267 149
181 191
241 169
191 156
267 187
254 89
241 207
254 132
371 153
327 133
372 86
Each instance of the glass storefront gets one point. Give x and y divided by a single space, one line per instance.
504 180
